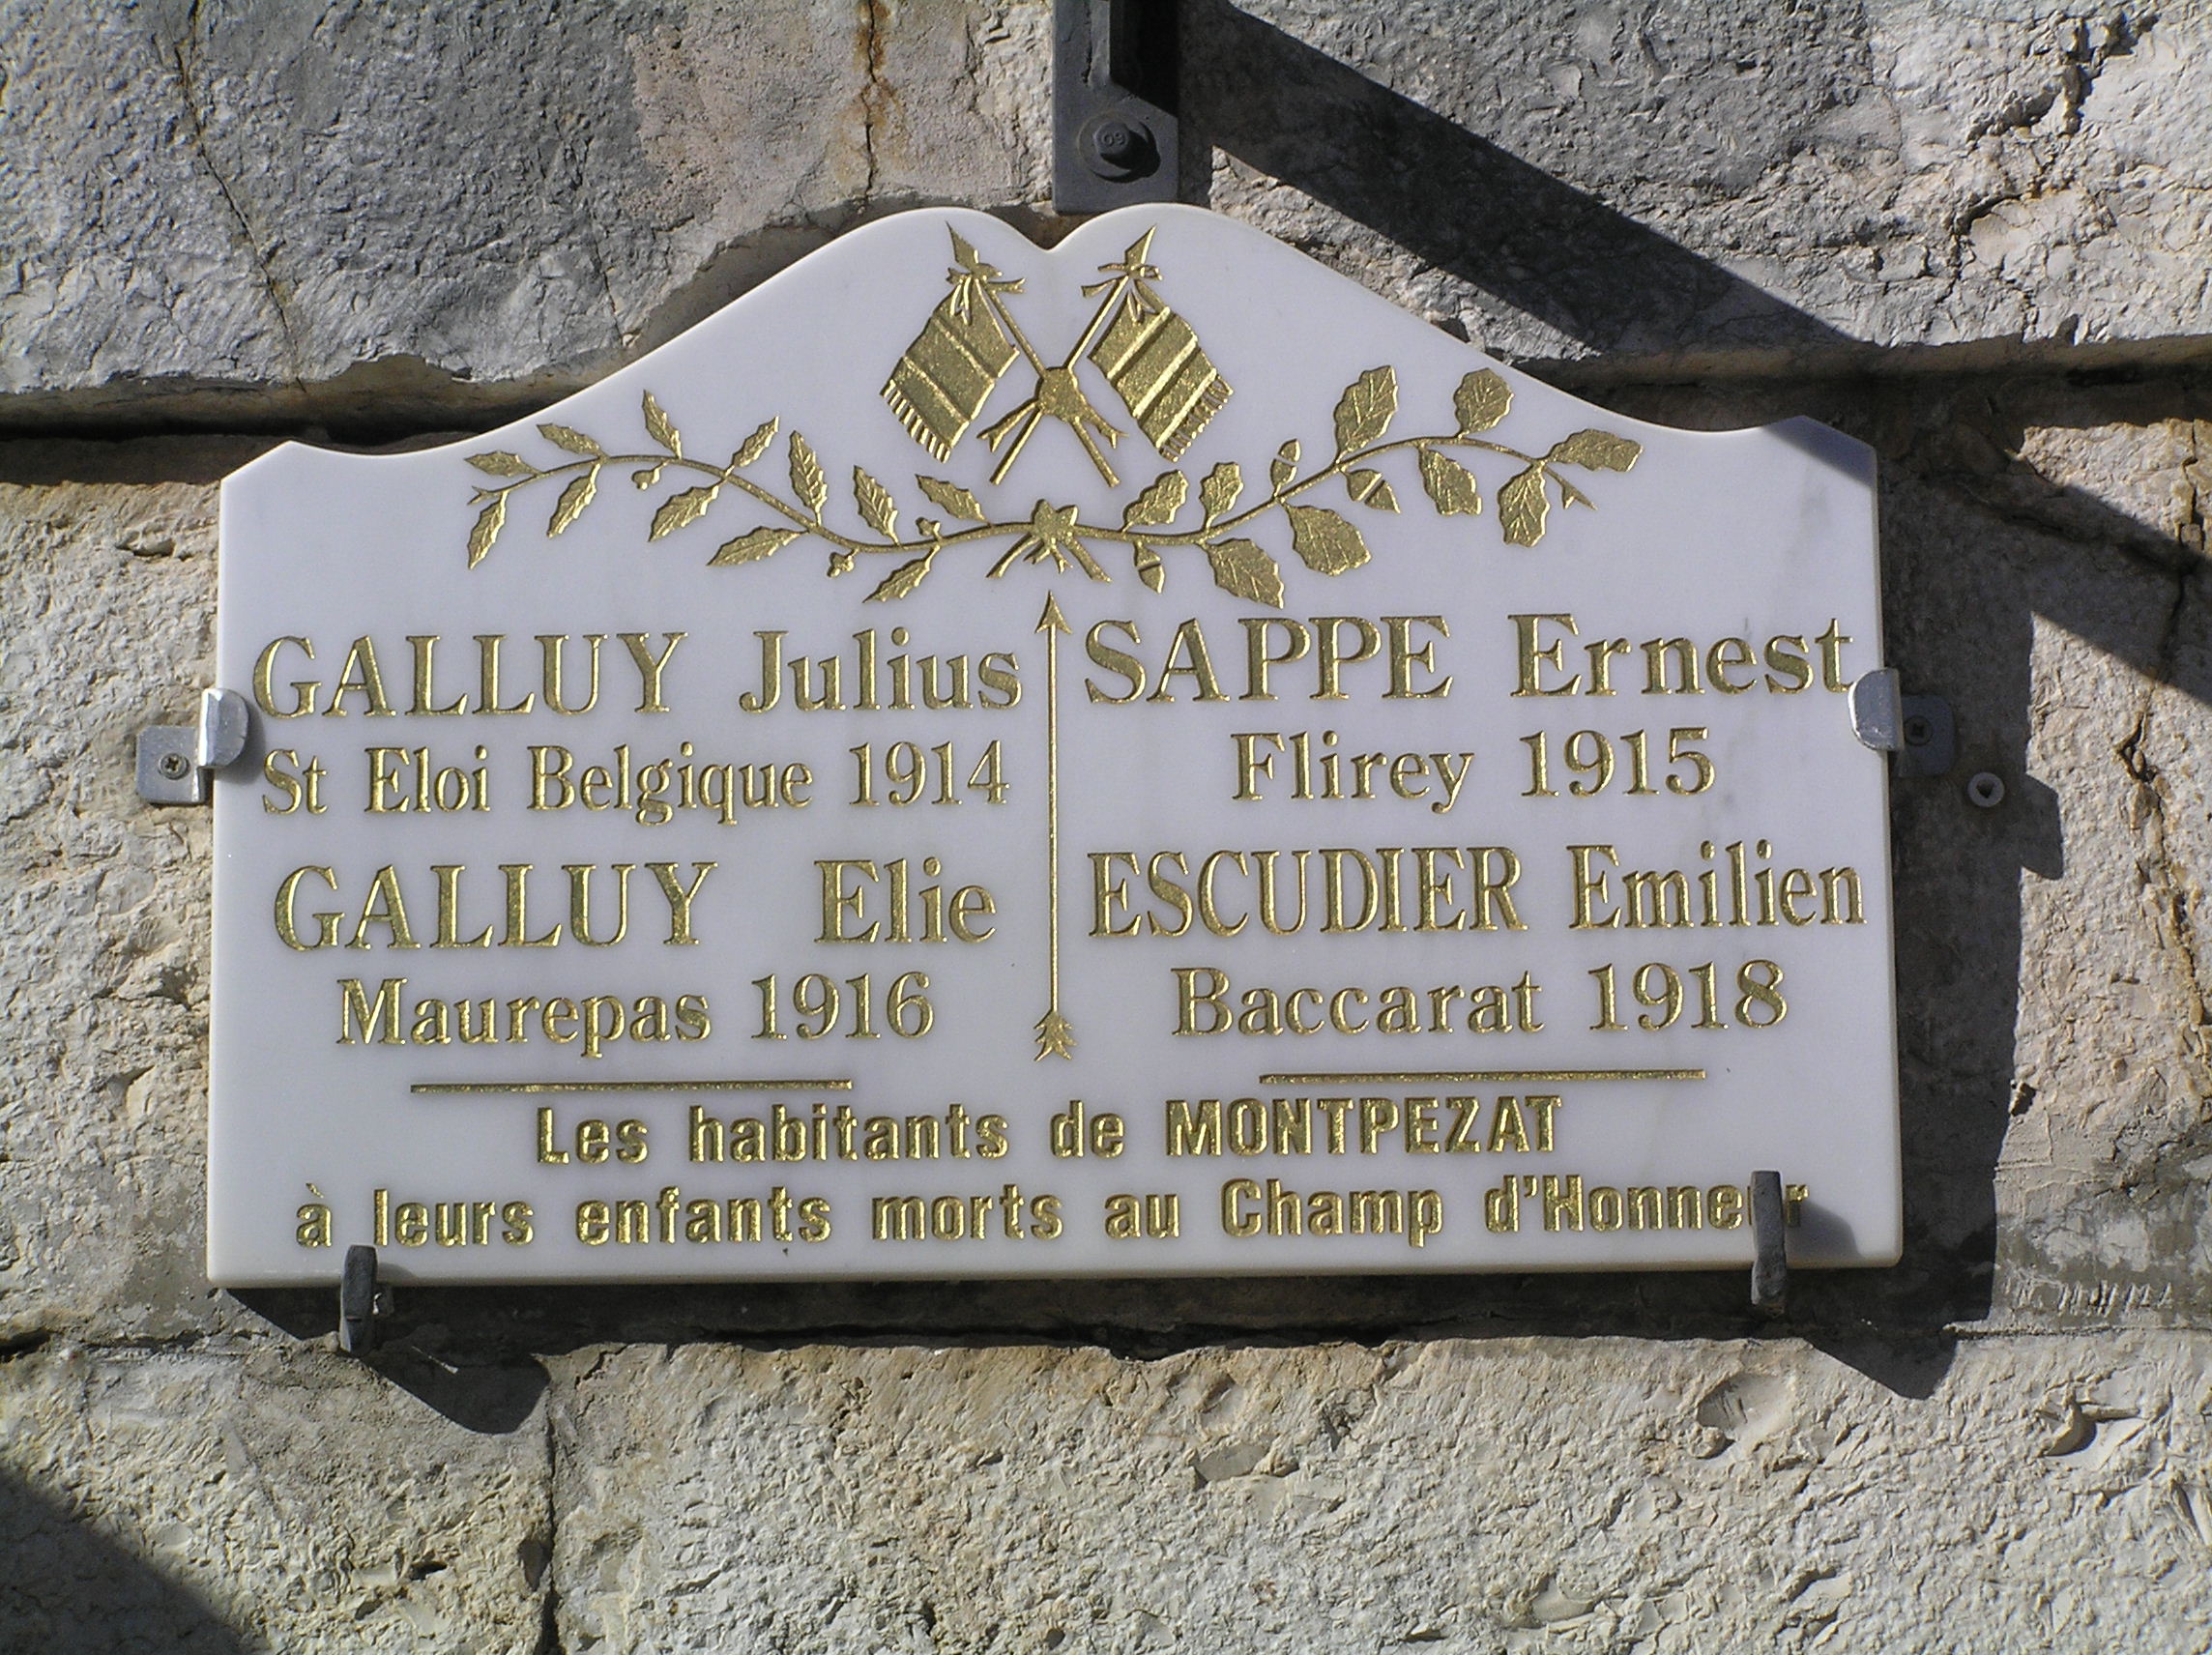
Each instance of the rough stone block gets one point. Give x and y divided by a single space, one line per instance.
1732 185
214 1502
222 209
2053 1003
251 210
111 624
1590 1496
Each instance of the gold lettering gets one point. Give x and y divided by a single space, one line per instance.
651 667
680 895
1534 658
425 647
360 673
1590 886
580 903
1404 657
1258 661
304 691
552 644
287 917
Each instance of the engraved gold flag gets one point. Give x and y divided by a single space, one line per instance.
949 371
1152 359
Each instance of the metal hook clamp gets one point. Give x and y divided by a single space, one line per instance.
1917 730
1770 1257
174 759
362 1300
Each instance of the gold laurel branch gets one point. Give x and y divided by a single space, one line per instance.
1326 541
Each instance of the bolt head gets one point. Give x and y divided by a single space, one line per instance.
1118 149
1114 141
1918 730
173 765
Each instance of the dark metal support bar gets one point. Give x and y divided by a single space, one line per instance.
361 1299
1113 101
1770 1259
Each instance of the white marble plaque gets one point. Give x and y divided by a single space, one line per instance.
1142 757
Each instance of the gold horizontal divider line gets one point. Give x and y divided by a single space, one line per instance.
449 1087
1486 1077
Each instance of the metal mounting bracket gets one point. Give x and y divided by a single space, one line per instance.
361 1299
1917 729
1770 1257
1113 100
174 759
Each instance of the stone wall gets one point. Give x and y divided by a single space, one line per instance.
1973 234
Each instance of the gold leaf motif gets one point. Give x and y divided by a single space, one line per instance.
752 547
1452 489
1482 399
807 478
574 498
1371 488
1150 570
657 427
952 498
489 522
1219 492
1242 568
754 445
1325 542
1522 506
902 581
1597 450
575 441
1161 500
678 510
874 500
1365 410
1053 533
1151 357
1055 1036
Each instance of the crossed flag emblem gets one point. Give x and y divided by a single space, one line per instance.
1149 355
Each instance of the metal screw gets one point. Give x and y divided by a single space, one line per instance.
173 765
1116 143
1985 790
1918 730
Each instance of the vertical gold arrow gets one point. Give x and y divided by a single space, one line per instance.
1056 1035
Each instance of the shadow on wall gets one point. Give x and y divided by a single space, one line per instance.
66 1587
1959 617
1977 548
1459 202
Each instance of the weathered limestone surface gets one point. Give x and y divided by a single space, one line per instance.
253 200
258 210
1487 1496
110 625
2050 1003
1735 184
220 1500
